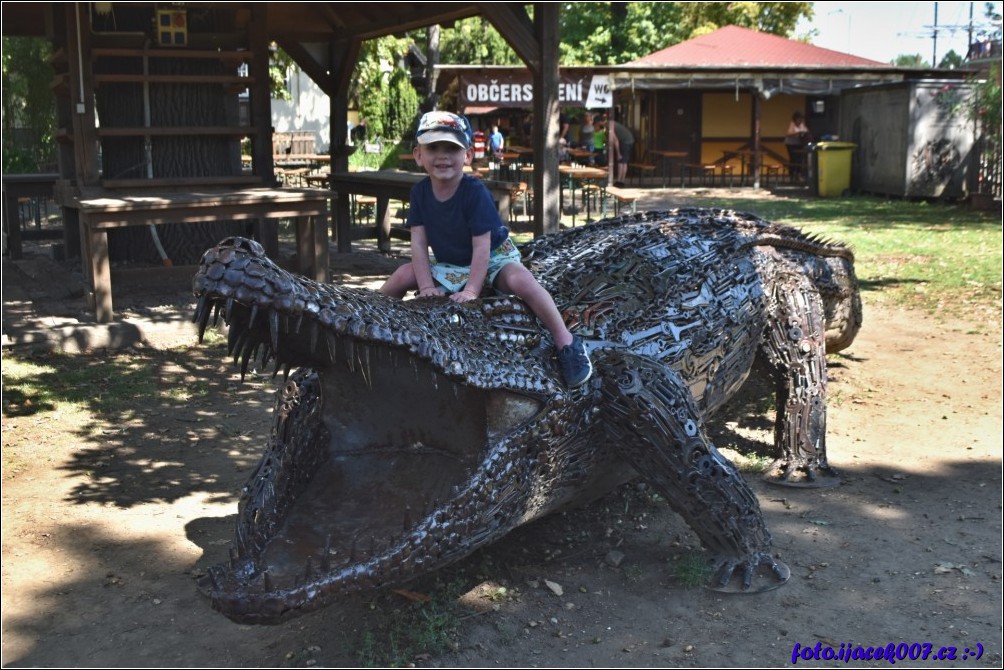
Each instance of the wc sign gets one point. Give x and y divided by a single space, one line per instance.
599 96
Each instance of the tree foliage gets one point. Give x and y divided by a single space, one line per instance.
910 60
29 109
474 41
608 33
381 87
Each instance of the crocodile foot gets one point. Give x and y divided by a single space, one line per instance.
756 574
784 472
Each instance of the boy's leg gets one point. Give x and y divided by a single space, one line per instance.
400 282
517 280
573 361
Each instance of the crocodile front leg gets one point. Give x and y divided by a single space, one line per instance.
795 350
654 425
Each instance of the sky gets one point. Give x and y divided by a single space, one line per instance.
884 30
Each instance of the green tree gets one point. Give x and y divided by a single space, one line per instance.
29 108
371 85
594 33
951 61
401 106
909 60
473 41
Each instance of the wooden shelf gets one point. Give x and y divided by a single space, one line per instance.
119 52
181 181
173 79
177 131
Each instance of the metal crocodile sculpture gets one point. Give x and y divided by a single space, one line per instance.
414 432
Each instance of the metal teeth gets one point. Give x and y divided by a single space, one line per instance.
273 329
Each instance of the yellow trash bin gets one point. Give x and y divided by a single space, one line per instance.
833 162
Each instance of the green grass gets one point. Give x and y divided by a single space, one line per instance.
944 259
691 569
404 633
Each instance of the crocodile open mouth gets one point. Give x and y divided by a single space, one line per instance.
377 469
403 441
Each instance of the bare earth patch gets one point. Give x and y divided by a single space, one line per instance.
106 526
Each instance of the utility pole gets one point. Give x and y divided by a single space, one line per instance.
934 57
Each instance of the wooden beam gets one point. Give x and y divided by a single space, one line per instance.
260 104
516 27
547 200
81 78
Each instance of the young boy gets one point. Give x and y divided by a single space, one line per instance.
453 213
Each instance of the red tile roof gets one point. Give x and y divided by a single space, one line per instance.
733 46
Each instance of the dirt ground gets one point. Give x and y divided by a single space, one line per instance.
106 525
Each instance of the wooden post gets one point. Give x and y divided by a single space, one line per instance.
547 197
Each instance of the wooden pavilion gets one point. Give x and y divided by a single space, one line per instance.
149 129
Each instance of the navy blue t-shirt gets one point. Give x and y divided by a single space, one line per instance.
449 226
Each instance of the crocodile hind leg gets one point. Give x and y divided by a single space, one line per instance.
655 426
795 350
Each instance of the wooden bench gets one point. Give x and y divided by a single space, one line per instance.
642 168
101 211
295 148
621 199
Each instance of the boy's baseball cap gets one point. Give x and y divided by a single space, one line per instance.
444 127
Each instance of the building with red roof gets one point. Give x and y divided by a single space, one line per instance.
719 105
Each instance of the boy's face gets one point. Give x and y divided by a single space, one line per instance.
443 160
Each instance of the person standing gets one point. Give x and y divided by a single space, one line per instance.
621 145
586 134
795 141
496 142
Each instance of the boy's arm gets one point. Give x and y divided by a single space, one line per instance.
479 268
420 264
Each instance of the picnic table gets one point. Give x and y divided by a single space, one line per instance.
101 211
15 187
668 158
387 185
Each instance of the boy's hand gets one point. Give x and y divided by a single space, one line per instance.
431 292
464 296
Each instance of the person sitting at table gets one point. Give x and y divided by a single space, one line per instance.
795 141
454 214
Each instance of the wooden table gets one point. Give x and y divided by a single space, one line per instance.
387 185
16 186
668 157
582 175
101 211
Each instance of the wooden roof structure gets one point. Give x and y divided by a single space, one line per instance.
324 40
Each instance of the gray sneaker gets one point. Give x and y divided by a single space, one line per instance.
574 362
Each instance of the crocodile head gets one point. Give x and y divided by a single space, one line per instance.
411 449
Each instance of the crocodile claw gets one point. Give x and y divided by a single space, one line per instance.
785 473
758 573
